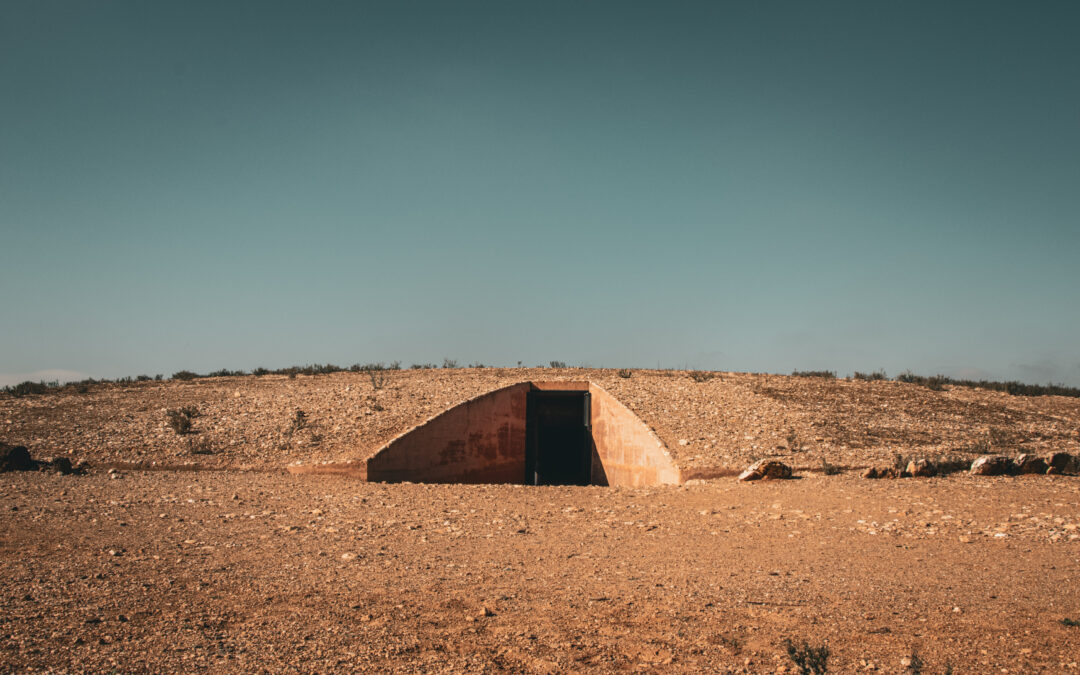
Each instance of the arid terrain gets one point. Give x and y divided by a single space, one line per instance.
158 559
711 428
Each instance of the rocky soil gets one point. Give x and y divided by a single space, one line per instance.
235 565
712 428
240 571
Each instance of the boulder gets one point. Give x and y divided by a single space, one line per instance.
991 465
1026 463
1060 462
923 468
766 468
15 458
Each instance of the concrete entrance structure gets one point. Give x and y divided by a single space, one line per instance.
485 439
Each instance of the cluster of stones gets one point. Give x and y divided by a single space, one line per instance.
17 458
987 465
765 469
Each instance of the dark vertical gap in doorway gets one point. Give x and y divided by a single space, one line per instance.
558 446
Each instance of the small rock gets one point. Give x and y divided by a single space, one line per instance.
921 468
348 556
884 472
765 469
683 441
991 465
1026 463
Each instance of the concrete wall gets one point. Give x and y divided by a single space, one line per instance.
483 441
479 441
626 451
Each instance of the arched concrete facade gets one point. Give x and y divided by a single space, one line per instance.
483 441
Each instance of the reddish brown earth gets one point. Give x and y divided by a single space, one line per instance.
243 570
715 427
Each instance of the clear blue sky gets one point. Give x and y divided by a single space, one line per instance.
746 186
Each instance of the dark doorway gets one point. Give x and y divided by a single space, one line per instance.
558 446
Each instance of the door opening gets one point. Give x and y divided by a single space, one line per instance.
558 446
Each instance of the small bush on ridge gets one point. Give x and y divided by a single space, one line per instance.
827 374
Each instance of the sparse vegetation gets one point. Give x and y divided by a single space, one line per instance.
827 374
27 388
299 421
378 379
808 659
1070 622
916 665
179 421
225 372
934 383
871 377
623 373
938 382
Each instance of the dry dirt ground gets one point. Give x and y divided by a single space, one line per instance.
711 428
238 570
172 571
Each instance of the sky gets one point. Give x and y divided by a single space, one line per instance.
751 186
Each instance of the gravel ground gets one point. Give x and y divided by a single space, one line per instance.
711 428
235 565
240 571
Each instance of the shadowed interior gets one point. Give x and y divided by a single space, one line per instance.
558 447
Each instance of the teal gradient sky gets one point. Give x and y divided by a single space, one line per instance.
745 186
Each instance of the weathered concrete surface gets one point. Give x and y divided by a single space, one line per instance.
629 453
483 441
479 441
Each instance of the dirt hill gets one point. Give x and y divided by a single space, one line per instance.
711 428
